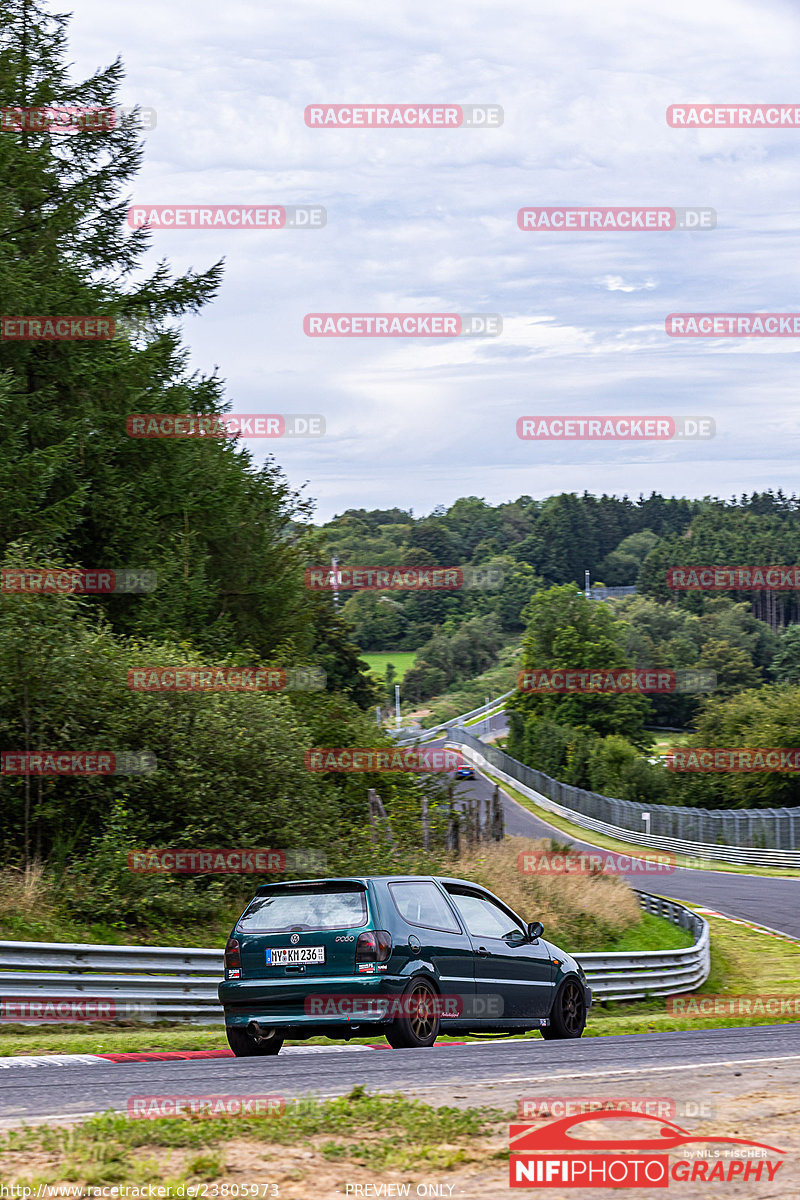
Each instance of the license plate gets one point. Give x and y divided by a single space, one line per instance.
292 955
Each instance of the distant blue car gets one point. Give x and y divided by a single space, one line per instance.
465 772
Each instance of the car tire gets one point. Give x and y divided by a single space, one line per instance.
568 1014
245 1046
419 1024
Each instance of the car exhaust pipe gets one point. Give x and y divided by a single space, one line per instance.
256 1032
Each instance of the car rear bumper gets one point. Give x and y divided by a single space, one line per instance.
322 1000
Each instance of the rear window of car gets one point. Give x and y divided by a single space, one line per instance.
305 909
423 904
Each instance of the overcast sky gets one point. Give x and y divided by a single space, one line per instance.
425 220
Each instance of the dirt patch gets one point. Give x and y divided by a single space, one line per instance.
756 1102
321 1168
418 714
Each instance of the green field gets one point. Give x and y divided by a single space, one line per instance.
403 660
665 741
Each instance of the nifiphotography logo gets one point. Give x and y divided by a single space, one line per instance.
552 1156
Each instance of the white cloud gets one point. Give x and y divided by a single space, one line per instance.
615 283
426 221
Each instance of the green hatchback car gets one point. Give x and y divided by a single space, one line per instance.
404 956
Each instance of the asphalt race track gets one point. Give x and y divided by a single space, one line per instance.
493 1071
50 1090
767 900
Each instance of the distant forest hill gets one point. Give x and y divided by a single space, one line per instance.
537 544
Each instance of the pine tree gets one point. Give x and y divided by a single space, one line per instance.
225 538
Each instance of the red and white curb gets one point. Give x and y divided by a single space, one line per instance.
99 1060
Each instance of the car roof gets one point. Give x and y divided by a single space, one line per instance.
370 878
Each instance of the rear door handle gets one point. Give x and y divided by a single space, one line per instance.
482 951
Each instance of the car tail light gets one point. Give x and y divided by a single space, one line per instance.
373 946
233 958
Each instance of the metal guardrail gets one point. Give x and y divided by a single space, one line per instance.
633 976
588 809
145 983
153 983
422 735
611 593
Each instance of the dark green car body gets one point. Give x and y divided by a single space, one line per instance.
335 957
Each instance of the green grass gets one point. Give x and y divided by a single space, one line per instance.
402 660
744 962
109 1038
384 1133
479 720
609 843
666 741
653 933
57 926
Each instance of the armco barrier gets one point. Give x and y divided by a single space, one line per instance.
422 735
653 972
767 837
178 984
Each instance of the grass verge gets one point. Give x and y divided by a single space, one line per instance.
315 1145
744 962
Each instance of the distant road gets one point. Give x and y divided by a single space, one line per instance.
766 899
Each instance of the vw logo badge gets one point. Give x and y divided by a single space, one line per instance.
295 938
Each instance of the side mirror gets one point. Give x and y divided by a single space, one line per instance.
535 930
